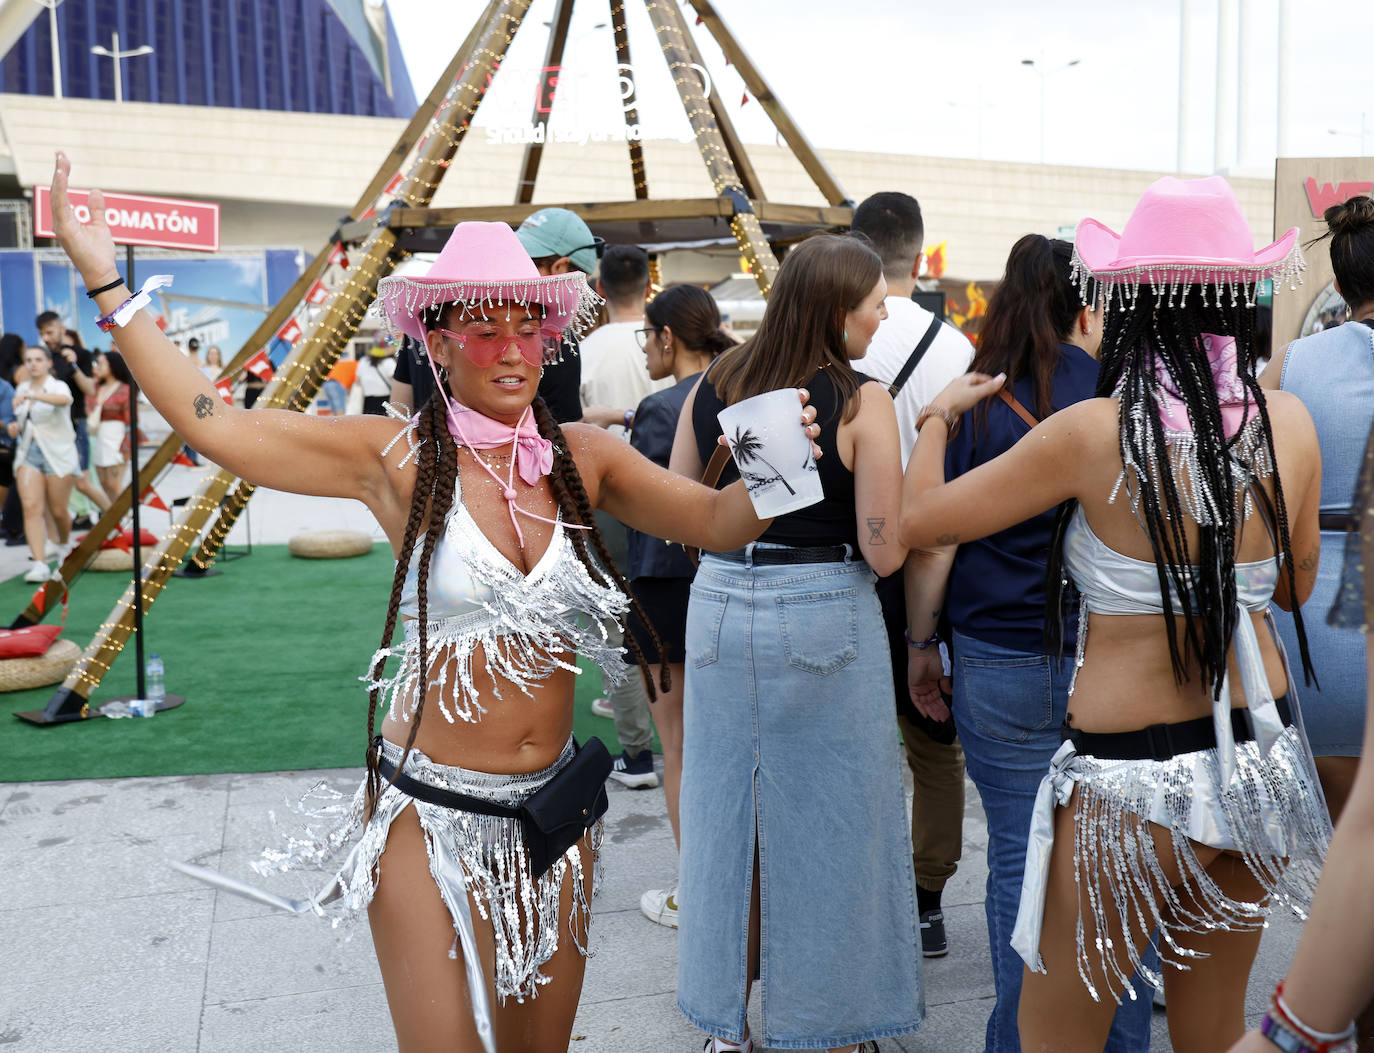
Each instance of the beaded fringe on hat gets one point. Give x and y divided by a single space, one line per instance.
1271 814
478 856
1217 283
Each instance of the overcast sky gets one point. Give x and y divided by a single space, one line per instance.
946 78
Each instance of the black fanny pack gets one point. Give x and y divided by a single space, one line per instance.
552 819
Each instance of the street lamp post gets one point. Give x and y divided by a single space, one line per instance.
113 52
1037 67
52 6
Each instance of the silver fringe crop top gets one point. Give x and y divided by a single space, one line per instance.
528 625
1110 582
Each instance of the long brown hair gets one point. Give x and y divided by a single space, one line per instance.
803 327
1029 315
436 473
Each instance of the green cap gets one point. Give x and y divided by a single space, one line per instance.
558 232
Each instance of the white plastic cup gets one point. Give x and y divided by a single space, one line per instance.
772 452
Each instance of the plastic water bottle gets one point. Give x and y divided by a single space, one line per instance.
155 685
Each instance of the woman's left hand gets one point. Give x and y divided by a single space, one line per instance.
808 419
964 392
20 397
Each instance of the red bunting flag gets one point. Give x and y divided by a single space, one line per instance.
40 598
290 332
318 293
225 387
152 500
700 20
339 257
260 365
393 184
181 458
745 99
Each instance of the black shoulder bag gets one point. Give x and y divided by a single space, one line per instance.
552 819
922 346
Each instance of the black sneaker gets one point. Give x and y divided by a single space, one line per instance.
14 540
933 941
82 522
636 772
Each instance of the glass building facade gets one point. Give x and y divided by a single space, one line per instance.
315 56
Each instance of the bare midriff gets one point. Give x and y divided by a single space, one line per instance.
1127 680
519 732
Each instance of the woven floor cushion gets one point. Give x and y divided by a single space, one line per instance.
112 559
20 674
330 544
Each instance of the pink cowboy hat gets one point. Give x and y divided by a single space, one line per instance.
483 264
1184 232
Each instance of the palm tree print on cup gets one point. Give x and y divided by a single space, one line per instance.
748 448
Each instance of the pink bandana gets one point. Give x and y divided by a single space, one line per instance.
1231 393
477 431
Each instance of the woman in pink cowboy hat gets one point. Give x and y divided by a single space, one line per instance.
478 812
1182 802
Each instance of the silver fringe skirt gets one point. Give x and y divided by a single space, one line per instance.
469 855
1271 813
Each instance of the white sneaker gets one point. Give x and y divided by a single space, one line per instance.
38 572
601 707
660 905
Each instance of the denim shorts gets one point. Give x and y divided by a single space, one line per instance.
33 458
791 747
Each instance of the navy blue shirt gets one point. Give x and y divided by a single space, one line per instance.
652 435
997 587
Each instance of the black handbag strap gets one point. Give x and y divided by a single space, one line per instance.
922 346
461 802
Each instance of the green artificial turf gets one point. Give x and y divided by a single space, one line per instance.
267 654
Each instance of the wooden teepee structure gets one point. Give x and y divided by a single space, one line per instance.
392 217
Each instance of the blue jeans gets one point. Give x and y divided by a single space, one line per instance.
1009 706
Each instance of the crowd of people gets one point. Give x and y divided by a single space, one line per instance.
1062 562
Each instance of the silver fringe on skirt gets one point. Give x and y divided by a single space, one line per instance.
1271 813
480 855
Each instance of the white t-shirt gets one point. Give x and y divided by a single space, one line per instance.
614 372
946 358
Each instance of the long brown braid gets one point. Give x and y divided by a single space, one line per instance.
436 472
577 508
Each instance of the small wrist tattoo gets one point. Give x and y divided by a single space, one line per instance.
204 406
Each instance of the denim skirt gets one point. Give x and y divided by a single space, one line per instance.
791 747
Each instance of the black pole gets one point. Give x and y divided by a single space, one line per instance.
137 499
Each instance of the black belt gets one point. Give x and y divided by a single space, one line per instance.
461 802
1162 741
818 554
1342 521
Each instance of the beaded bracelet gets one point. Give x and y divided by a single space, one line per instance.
1317 1041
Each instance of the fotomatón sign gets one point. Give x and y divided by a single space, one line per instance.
162 222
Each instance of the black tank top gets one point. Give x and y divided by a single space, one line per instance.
830 522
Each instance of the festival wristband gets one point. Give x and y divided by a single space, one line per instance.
122 314
93 293
1319 1041
921 645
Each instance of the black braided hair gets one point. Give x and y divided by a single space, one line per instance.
1164 329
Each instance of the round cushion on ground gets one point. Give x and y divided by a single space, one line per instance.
112 559
330 544
20 674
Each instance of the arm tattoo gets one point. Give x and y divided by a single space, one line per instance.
947 539
1310 563
204 406
875 530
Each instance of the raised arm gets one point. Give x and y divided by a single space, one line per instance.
333 457
1045 468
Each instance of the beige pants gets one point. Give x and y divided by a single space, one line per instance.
937 809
